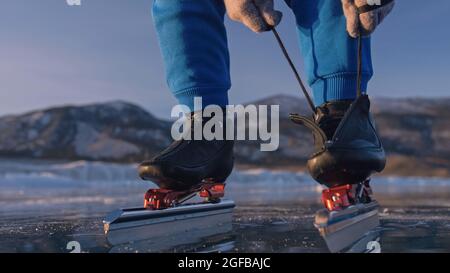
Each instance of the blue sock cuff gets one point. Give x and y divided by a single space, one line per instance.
210 96
337 87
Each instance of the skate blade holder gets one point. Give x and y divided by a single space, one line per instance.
168 220
347 217
342 229
164 228
162 199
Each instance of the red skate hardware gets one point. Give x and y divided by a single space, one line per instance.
350 216
341 197
337 198
157 199
212 192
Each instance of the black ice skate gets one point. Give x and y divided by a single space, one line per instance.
186 164
191 177
347 152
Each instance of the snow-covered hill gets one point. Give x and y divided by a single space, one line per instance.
111 131
415 132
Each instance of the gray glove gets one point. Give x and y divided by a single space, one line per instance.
257 15
365 13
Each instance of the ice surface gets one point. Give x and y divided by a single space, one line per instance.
45 204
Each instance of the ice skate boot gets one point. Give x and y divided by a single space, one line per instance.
186 164
347 147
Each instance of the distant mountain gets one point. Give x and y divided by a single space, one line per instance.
415 132
116 131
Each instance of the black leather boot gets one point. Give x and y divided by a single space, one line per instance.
185 164
347 147
329 115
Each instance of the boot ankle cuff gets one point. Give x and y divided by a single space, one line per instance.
210 96
337 87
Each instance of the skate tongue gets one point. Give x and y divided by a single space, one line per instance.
320 137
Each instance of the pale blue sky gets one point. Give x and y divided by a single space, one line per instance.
52 54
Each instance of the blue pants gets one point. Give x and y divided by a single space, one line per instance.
193 42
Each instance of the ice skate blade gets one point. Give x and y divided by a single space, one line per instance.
138 224
341 229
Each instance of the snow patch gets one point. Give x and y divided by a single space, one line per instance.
90 143
40 119
32 134
118 105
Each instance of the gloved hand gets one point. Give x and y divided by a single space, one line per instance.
365 13
258 15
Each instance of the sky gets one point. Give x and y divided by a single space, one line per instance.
104 50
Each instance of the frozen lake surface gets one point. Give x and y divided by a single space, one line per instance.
46 205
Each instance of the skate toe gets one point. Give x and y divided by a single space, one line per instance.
162 174
150 170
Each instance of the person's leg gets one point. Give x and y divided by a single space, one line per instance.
193 42
330 54
349 151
